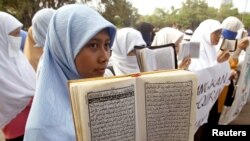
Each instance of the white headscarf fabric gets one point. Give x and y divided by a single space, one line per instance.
40 23
125 40
17 77
71 27
167 35
232 23
202 34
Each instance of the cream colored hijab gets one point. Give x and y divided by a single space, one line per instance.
125 40
17 77
167 35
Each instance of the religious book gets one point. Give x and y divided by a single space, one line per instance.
191 49
153 58
138 107
228 45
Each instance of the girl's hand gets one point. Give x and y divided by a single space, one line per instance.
243 43
223 56
185 63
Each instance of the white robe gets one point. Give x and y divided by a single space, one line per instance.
17 77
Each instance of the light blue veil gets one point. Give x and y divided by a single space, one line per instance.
70 28
40 22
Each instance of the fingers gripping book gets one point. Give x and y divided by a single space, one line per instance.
138 107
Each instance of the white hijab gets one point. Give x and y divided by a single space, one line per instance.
167 35
125 40
17 77
233 24
207 50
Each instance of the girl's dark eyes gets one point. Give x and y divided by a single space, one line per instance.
107 45
93 45
96 45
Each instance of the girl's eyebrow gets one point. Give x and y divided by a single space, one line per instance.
100 38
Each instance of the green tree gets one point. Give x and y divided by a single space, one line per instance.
227 10
119 12
24 10
160 18
245 18
195 11
189 15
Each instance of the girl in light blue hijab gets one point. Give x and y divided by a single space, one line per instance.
36 37
40 22
77 46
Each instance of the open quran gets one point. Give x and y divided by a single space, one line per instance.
137 107
153 58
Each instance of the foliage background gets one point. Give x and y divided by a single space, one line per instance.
123 14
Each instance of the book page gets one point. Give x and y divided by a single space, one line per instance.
139 58
184 50
165 58
148 60
106 109
168 101
191 49
194 49
229 45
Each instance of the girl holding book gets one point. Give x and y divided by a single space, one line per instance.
77 46
169 35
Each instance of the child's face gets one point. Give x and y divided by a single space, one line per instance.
93 58
215 37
